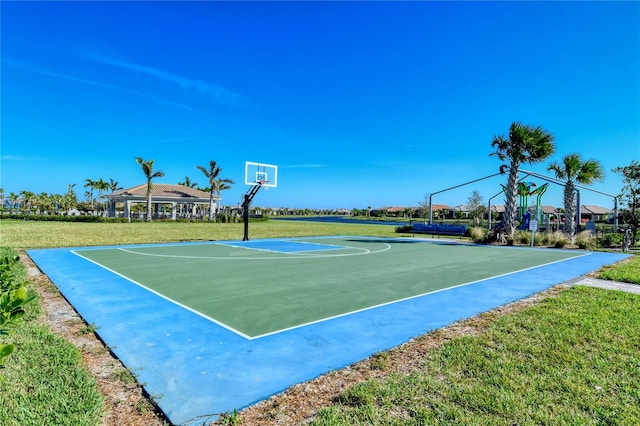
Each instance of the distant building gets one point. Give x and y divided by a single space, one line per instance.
594 213
463 210
394 211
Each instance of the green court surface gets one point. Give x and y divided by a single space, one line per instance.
260 288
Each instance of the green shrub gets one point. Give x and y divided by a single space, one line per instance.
611 239
55 218
406 229
545 239
522 237
479 234
13 298
560 239
585 240
549 239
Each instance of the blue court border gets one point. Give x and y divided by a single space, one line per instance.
193 367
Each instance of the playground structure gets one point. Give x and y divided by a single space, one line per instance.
525 191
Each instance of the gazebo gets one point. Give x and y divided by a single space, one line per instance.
174 195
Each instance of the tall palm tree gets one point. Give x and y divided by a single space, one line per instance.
147 169
44 202
101 185
524 145
573 170
58 202
13 199
27 198
70 199
91 184
216 184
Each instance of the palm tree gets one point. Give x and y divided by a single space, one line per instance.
573 170
13 199
147 169
58 202
187 182
27 198
91 184
44 202
70 199
524 144
101 185
114 185
216 184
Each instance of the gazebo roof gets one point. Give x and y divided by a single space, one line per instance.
162 192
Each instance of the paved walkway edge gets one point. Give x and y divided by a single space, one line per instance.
608 285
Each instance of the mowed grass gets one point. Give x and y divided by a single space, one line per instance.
30 235
45 382
573 359
627 271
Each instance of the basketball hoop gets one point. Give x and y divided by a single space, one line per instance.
257 176
261 175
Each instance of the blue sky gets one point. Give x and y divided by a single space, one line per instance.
360 104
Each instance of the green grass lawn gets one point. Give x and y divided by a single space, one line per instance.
45 382
29 235
570 359
628 272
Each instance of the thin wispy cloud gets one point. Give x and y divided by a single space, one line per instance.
32 68
211 91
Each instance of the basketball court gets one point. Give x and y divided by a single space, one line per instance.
217 326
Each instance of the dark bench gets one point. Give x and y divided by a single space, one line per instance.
439 229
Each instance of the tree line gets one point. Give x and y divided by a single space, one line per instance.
26 201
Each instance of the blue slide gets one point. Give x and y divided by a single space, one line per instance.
525 221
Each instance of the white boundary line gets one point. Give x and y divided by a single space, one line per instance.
308 254
413 297
250 247
200 314
241 334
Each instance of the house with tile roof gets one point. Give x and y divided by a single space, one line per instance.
594 213
182 200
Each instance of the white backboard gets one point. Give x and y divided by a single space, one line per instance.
260 174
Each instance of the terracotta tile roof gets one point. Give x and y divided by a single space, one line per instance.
164 190
440 207
394 209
